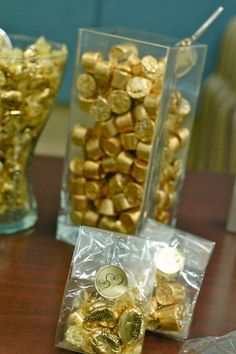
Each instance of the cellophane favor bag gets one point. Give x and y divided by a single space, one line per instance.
108 293
181 260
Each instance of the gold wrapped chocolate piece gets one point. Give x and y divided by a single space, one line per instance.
79 134
89 61
169 293
150 66
134 193
105 341
129 141
122 52
138 87
119 101
124 123
86 85
120 79
111 146
91 218
100 109
124 162
169 318
131 326
144 130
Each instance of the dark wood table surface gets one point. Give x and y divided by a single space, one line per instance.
34 266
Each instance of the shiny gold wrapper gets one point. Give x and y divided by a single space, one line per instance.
79 202
77 166
139 170
143 151
102 71
77 217
129 220
109 128
117 183
120 79
129 141
119 101
134 193
124 162
89 61
169 293
85 103
107 207
92 169
138 87
79 134
100 109
120 202
144 130
107 222
86 85
169 318
124 123
140 112
111 146
91 218
109 165
93 149
77 185
122 52
92 190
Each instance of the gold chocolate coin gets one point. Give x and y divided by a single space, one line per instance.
111 281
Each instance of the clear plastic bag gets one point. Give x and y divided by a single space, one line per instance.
108 293
181 261
215 345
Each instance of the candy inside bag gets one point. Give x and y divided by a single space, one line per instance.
108 293
181 261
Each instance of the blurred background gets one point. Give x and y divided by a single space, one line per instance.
59 20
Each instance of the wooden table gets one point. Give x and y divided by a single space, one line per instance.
34 267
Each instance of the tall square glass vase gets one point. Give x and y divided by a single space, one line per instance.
132 110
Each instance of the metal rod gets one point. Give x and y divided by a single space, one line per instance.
202 28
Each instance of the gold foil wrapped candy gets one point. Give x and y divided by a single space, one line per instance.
29 82
107 318
120 95
169 295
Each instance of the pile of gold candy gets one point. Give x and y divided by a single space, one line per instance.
29 82
168 307
99 325
121 97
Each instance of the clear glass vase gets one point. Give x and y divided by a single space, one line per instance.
132 109
30 76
